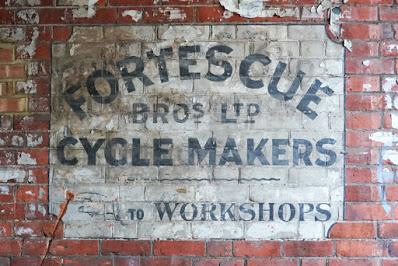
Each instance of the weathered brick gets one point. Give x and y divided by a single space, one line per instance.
179 248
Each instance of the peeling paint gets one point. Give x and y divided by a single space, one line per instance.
227 14
34 140
29 16
24 231
25 158
135 15
12 34
85 11
27 87
389 83
28 51
188 33
4 190
366 63
348 44
17 141
174 13
10 174
256 8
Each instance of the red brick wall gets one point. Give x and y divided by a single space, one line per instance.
366 237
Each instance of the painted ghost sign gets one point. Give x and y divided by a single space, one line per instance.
198 131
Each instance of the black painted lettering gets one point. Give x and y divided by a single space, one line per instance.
111 151
136 154
210 56
247 209
198 107
206 210
91 150
162 67
277 151
110 79
140 109
244 70
61 151
230 153
302 154
253 153
270 211
209 148
283 214
253 110
162 114
331 154
183 52
224 118
138 72
176 111
159 153
303 210
230 211
74 103
311 96
183 212
164 207
324 210
273 85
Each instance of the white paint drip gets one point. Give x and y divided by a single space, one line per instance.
28 51
25 158
135 15
85 11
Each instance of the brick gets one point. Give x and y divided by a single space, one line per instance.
6 16
364 102
352 230
23 261
393 249
217 14
218 262
256 248
389 48
13 105
219 248
6 54
32 122
36 211
359 248
308 248
90 261
10 247
389 262
38 175
132 2
74 247
370 66
102 16
392 192
388 13
356 31
272 262
6 193
34 247
147 261
362 84
363 49
15 71
363 120
366 212
361 13
126 248
52 16
362 193
313 262
31 193
7 157
5 122
352 262
388 230
6 229
130 261
33 157
39 104
167 15
179 248
62 34
360 175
